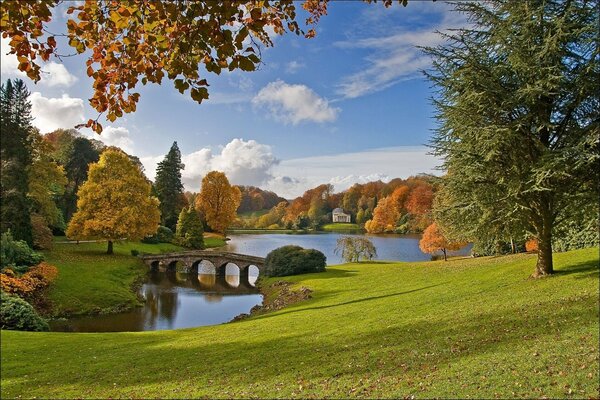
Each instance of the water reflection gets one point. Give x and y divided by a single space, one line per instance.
175 300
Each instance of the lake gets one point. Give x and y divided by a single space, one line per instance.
390 247
175 300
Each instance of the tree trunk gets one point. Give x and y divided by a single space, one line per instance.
110 247
544 265
512 246
445 257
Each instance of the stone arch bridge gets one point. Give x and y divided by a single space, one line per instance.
190 262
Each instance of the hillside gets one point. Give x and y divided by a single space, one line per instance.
463 328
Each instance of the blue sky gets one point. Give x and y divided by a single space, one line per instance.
347 106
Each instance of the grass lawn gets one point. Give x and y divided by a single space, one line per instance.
339 226
463 328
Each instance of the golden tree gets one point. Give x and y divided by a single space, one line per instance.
385 216
434 240
218 200
115 202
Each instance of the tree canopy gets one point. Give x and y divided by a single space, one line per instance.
218 200
115 202
518 108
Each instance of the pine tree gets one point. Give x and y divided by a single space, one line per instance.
169 188
15 158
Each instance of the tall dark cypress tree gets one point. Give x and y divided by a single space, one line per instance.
15 157
169 188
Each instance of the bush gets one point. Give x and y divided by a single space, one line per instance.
162 235
17 314
531 245
16 252
31 283
294 260
135 252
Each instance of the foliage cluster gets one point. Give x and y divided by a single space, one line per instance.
294 260
31 283
17 314
15 253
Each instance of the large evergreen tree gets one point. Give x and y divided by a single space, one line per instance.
169 188
518 110
15 157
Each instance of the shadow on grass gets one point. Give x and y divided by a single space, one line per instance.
584 270
361 300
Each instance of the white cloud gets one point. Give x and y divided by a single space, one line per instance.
52 113
52 74
116 136
394 58
244 163
344 170
294 103
294 66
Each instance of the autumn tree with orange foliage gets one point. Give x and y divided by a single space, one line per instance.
115 202
218 200
384 217
434 240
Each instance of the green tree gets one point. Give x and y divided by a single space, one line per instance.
15 159
169 188
80 153
518 109
115 202
47 182
190 232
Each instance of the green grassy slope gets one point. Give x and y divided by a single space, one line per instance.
90 280
462 328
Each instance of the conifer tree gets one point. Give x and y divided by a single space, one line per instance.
169 188
15 158
518 105
190 232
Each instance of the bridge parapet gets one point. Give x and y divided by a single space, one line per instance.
191 260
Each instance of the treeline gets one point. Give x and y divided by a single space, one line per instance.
399 206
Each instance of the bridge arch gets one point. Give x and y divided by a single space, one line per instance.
203 266
252 272
232 273
155 265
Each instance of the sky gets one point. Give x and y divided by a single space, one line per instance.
350 105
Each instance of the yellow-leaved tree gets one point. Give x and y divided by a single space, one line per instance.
218 200
115 202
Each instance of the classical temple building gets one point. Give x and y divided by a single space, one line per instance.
338 215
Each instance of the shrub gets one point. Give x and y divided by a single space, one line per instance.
135 252
294 260
16 252
42 234
190 231
31 283
164 234
17 314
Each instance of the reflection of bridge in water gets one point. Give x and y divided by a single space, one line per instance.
207 262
